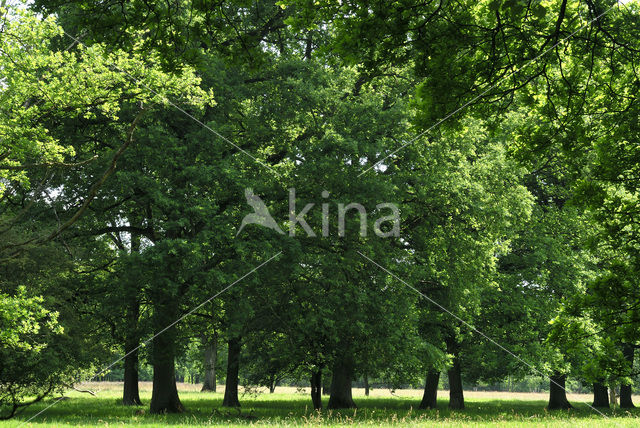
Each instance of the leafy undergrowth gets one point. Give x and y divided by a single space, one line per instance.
203 409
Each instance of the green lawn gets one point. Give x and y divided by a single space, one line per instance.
292 409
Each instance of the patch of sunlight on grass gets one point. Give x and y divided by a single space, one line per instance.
294 409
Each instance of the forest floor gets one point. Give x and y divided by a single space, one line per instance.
289 407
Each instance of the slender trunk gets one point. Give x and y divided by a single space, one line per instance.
273 382
210 359
612 396
131 393
309 47
316 389
625 390
164 398
366 385
326 386
558 393
600 395
341 397
456 395
430 397
233 365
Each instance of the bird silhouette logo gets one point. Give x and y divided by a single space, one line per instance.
260 214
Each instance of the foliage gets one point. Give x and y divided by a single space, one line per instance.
503 130
31 362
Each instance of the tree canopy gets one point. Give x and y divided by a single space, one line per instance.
435 178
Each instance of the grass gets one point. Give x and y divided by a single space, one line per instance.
288 408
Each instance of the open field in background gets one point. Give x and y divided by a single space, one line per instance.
359 392
288 407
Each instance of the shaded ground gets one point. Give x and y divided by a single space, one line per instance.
290 408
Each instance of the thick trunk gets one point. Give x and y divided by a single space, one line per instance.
625 390
341 397
600 395
430 397
316 389
164 398
131 394
625 397
366 385
456 395
210 359
558 393
233 365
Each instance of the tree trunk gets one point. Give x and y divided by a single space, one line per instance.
430 397
625 390
164 398
273 382
326 386
309 47
233 365
210 359
625 397
341 397
131 394
456 395
558 393
612 396
366 385
316 389
600 395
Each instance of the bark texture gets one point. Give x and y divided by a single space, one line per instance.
456 394
131 392
625 390
164 398
233 366
316 389
341 397
600 395
558 393
210 359
366 385
273 382
613 398
430 396
326 386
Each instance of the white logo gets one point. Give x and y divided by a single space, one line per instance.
262 217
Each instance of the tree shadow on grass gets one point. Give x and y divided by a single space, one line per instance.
206 409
